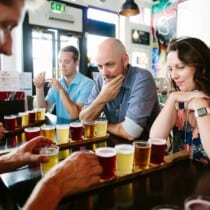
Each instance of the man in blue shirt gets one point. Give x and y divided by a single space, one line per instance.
126 94
70 92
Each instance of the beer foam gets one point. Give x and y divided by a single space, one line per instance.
197 204
48 127
124 148
157 141
32 129
76 124
105 151
62 126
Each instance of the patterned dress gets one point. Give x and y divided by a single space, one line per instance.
186 137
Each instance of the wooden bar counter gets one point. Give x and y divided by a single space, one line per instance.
168 183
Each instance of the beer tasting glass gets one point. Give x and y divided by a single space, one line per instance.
158 149
52 153
31 132
19 121
62 133
62 137
31 116
24 116
107 159
101 127
197 203
124 158
48 131
10 122
40 113
142 153
76 130
89 129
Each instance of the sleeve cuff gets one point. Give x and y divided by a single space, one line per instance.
132 128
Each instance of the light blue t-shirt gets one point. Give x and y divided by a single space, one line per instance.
78 92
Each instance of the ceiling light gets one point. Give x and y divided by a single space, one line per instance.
129 8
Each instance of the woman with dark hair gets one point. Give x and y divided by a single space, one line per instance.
187 109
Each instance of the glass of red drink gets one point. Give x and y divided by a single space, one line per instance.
158 150
76 130
32 132
107 159
10 122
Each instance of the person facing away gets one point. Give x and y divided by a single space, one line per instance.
187 110
70 92
79 171
126 94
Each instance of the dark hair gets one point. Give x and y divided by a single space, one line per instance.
7 2
73 50
194 52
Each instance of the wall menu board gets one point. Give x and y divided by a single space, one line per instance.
140 37
16 81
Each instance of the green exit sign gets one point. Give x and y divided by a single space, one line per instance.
57 6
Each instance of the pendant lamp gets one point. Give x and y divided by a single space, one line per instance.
129 8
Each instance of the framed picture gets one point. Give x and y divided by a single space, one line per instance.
140 37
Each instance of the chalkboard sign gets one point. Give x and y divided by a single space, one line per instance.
140 37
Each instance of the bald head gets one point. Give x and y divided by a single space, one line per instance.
112 45
112 58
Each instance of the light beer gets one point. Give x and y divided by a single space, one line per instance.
101 127
124 158
52 153
62 133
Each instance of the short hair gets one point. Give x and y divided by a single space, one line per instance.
73 50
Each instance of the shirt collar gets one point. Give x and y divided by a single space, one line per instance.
128 78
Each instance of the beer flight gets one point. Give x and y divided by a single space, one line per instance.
124 159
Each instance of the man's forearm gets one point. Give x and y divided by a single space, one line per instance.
93 111
118 130
40 198
72 108
9 162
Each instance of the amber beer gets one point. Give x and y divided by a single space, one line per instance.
25 119
40 113
89 129
142 154
52 153
48 131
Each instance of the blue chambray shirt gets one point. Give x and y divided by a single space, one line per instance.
137 99
78 91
